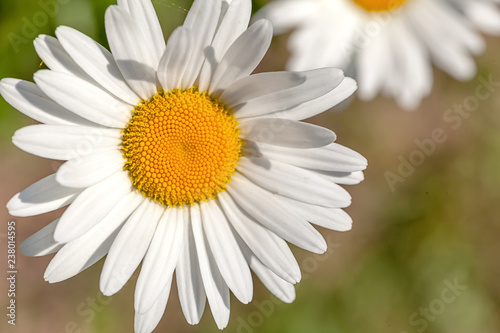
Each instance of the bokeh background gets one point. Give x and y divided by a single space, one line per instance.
390 274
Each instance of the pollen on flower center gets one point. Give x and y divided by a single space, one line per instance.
181 147
379 5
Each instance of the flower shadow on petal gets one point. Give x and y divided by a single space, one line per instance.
210 59
251 147
146 71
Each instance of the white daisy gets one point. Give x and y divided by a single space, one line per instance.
180 159
389 44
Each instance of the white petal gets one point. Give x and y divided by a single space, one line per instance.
215 288
316 106
42 242
84 99
314 84
333 157
160 261
414 68
372 78
308 44
91 206
293 182
83 252
327 42
130 246
91 169
29 99
456 27
330 218
189 283
144 15
43 196
260 84
286 133
97 62
233 24
227 254
447 53
146 323
269 248
286 15
282 289
271 213
279 287
242 57
485 15
343 178
124 4
175 60
65 142
131 52
201 21
52 53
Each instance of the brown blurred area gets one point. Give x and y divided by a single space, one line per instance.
439 226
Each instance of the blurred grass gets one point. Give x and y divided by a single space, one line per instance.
440 224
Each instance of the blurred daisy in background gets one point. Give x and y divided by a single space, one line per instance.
390 45
180 159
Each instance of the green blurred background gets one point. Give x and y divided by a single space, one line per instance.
390 274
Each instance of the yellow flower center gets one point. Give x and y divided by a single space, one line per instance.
379 5
181 147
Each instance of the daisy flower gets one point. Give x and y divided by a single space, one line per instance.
390 44
179 158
